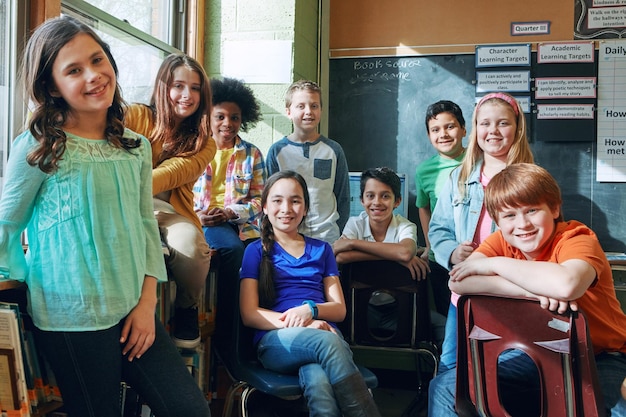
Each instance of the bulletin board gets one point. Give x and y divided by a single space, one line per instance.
399 27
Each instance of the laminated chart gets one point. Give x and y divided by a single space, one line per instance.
611 134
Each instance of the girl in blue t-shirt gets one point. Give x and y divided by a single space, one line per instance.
290 293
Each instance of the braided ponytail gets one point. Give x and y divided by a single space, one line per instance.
267 294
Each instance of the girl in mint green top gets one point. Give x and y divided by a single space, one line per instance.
91 231
81 185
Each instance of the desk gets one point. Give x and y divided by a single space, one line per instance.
617 260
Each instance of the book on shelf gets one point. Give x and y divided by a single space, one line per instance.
36 391
11 341
130 403
166 294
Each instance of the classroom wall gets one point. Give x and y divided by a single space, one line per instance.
252 20
371 27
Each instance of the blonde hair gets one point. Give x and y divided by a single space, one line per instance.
302 85
520 149
522 185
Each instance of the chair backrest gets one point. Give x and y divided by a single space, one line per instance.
233 340
386 306
559 345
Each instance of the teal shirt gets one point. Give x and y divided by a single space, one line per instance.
91 231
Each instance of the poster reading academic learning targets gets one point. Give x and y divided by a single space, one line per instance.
611 136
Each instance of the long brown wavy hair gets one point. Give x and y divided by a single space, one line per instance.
50 113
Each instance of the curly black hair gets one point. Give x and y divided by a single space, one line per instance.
235 91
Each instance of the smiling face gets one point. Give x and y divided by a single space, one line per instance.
184 92
496 125
446 135
528 228
285 206
305 110
84 77
378 200
225 124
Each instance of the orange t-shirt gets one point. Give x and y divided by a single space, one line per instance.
574 240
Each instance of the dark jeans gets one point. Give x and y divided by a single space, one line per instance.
89 366
225 239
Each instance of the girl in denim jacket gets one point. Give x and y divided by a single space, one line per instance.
460 222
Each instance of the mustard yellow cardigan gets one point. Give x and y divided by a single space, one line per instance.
178 174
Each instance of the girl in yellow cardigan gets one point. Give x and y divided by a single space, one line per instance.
177 125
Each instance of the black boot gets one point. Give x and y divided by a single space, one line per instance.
354 398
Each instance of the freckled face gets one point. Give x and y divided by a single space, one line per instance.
495 129
528 228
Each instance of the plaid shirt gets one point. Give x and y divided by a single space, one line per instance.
245 179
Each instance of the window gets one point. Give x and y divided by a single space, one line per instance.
158 18
12 32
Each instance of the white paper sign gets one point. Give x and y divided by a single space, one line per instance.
566 52
567 87
564 111
606 17
502 81
258 62
502 55
611 141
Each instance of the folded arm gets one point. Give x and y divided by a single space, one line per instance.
552 283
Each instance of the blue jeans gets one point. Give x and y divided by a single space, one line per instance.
321 359
89 367
448 349
225 239
517 371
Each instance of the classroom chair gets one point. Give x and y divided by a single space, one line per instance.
233 347
386 306
559 345
388 320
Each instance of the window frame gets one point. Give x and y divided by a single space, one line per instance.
92 13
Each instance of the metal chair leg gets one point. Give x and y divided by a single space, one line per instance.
230 397
245 395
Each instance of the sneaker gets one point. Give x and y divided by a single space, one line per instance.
186 333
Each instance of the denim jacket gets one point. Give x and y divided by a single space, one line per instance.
454 220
